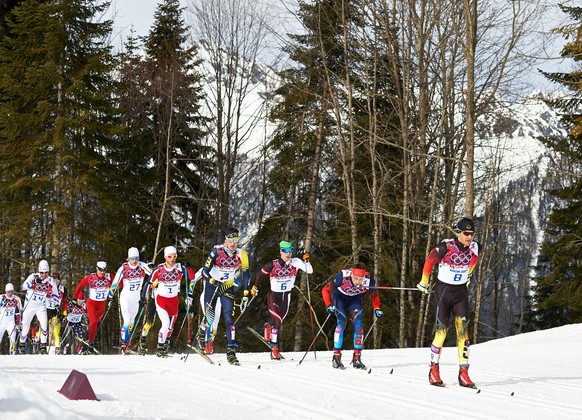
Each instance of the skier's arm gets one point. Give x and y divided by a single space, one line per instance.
302 265
79 295
435 255
117 282
208 265
246 274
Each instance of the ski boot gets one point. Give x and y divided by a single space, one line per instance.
209 347
275 352
336 361
162 350
57 350
42 349
357 360
464 379
142 346
231 357
434 376
267 332
22 347
125 348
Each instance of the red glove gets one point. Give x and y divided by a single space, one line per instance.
17 318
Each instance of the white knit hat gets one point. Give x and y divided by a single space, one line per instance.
102 265
43 266
169 250
9 287
132 252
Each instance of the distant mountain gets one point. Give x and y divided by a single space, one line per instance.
515 204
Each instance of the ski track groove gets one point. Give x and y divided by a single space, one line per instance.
529 379
280 402
486 391
413 404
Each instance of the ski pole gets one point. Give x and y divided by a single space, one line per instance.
370 330
136 323
242 312
315 338
393 288
102 320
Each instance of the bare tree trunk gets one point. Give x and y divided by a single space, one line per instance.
167 171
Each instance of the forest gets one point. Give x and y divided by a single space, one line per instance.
364 140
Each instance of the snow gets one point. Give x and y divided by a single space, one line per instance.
533 375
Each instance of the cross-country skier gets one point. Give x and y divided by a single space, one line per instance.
221 273
282 273
456 258
96 304
165 282
54 310
343 294
9 303
209 344
38 286
75 331
129 278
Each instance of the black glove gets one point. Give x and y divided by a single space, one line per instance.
151 265
142 301
187 264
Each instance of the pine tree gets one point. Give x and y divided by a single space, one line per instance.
57 125
558 293
175 129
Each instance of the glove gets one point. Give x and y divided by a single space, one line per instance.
151 265
244 303
17 319
187 264
189 301
142 301
378 313
305 257
254 291
330 309
423 288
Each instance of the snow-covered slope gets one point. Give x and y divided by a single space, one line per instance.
530 376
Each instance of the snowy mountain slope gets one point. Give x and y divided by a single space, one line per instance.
530 376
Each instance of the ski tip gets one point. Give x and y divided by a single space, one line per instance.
219 364
258 367
478 391
512 394
391 371
370 371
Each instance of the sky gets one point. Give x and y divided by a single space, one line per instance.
528 376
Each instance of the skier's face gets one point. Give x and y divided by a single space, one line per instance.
357 280
466 237
133 261
171 260
100 273
231 244
286 254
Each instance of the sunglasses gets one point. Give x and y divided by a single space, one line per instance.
133 259
469 233
232 240
43 272
287 250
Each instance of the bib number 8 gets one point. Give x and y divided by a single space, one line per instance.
458 277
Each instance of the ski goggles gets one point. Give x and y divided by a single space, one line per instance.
469 233
287 250
133 258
